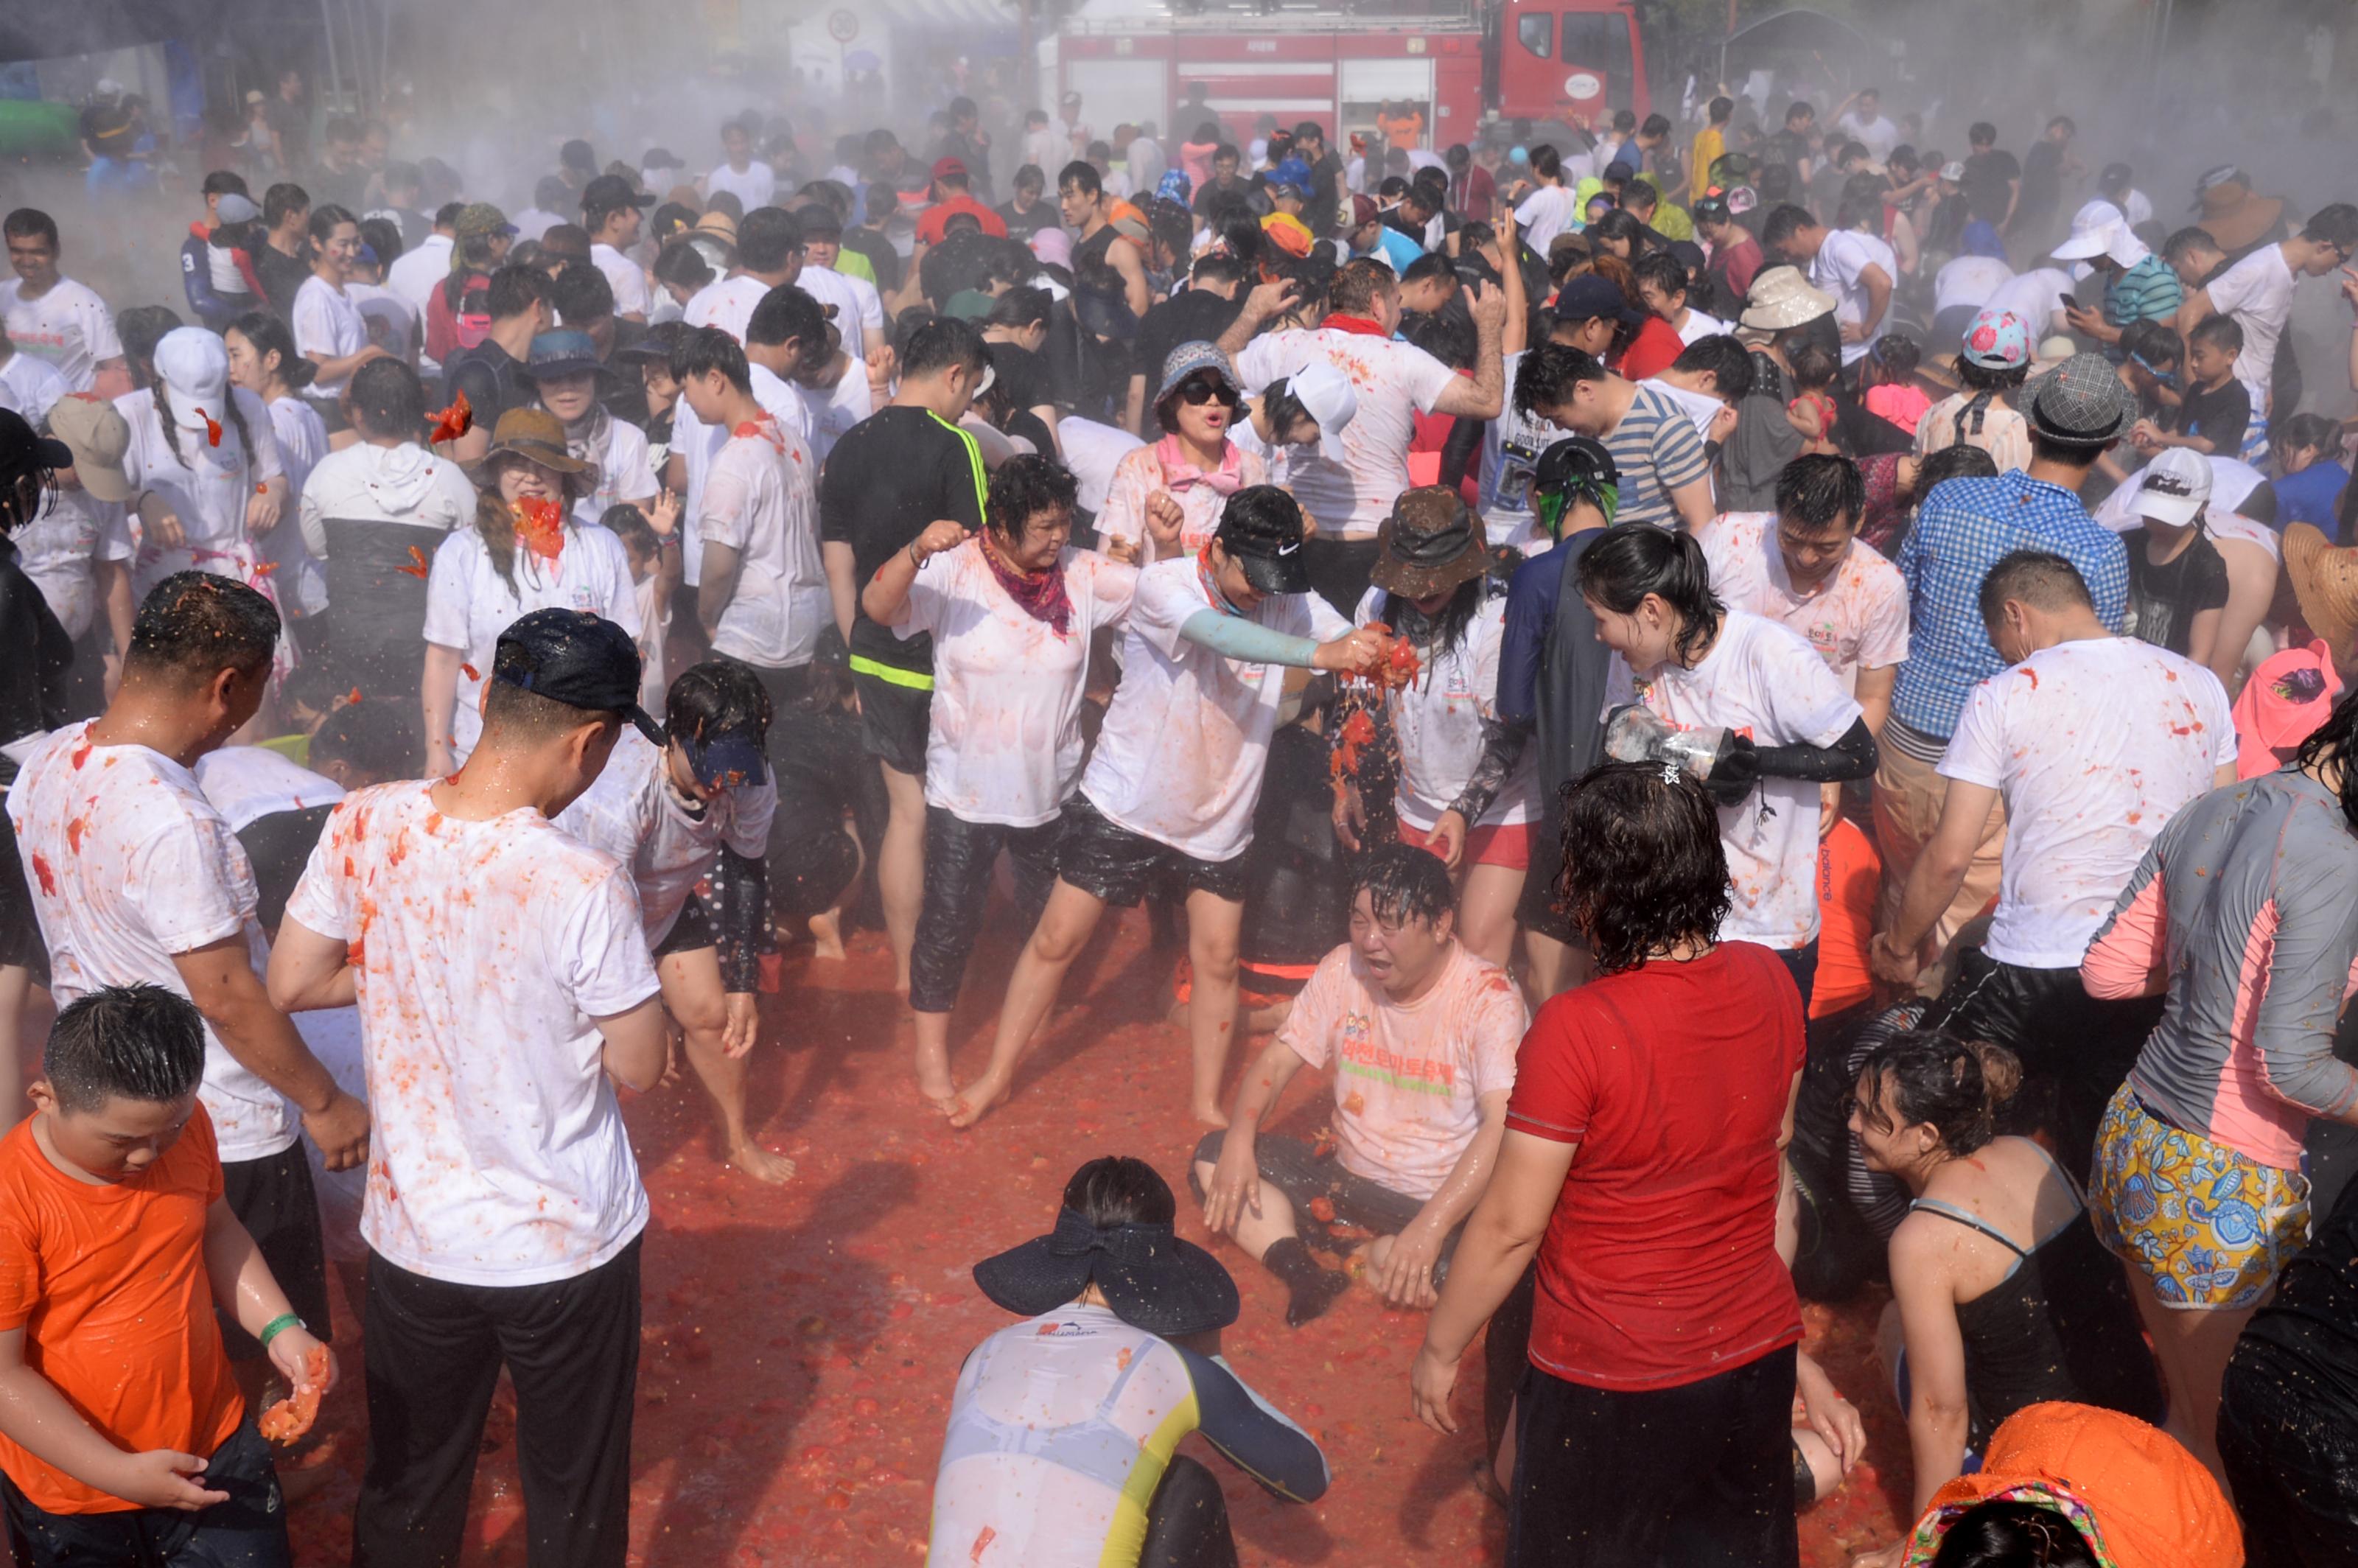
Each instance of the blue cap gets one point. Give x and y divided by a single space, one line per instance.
726 761
566 351
1187 358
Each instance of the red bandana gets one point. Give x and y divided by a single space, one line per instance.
1041 594
1356 324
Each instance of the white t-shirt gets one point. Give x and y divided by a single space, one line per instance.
1878 136
30 387
1187 740
1856 619
61 548
467 605
2037 297
623 472
207 487
1409 1077
1699 325
1004 745
726 303
1512 445
2092 745
828 411
246 783
754 185
859 309
1545 213
696 442
1969 280
2257 292
328 326
633 814
417 272
1093 452
626 277
1840 268
1395 382
70 327
760 500
481 953
1438 719
535 223
130 864
392 321
1140 476
1766 683
1701 407
302 442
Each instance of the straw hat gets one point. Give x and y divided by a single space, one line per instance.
2325 581
1782 297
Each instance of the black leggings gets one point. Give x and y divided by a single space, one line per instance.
1187 1522
958 857
2288 1441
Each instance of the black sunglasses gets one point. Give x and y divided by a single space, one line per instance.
1195 394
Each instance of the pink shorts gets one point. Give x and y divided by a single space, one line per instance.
1505 844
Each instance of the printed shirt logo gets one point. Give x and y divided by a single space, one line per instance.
1359 1056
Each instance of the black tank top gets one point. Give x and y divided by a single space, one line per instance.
2060 1326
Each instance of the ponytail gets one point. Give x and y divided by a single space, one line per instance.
1635 559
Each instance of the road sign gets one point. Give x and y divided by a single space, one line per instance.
842 26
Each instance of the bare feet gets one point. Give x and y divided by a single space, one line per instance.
934 1080
760 1165
826 934
975 1101
1210 1114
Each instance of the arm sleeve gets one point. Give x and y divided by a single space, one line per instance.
1502 748
1850 757
1234 637
1976 750
1464 448
1250 1434
197 280
1425 377
446 582
741 885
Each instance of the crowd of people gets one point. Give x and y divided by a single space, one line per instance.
1764 704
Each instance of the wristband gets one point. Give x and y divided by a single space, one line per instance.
276 1326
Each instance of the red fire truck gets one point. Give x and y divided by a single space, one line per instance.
1412 73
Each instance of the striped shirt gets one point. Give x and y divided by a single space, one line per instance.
1657 450
2148 291
1967 526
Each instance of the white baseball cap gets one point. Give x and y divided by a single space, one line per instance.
2175 486
194 365
1326 395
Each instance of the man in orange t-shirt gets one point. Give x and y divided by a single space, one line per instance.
123 1435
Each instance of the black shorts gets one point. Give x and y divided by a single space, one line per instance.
895 720
1535 909
691 931
272 1198
1109 863
1304 1175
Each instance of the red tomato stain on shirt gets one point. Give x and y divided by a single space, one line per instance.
2034 678
74 830
48 878
987 1535
81 755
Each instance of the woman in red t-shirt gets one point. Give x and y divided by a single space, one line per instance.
1641 1168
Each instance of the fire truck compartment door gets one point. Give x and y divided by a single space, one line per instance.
1369 84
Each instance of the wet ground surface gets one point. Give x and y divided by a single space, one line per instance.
801 1342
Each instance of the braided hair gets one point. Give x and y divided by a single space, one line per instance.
172 430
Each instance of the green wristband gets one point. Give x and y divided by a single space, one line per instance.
276 1326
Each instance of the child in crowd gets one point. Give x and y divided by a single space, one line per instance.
2177 580
1812 410
2215 408
652 543
1891 391
123 1435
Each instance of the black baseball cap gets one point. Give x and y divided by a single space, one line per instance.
21 447
578 659
611 193
1262 529
1591 294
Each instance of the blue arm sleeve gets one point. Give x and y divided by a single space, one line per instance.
196 281
1233 638
1252 1435
1531 611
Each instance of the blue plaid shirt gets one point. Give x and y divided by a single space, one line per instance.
1967 526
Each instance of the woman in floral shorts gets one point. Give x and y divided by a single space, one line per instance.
2246 911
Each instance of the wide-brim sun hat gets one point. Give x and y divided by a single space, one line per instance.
533 434
1430 544
1782 298
2325 584
1150 1278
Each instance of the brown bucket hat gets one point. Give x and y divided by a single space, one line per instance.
531 433
1429 545
2325 581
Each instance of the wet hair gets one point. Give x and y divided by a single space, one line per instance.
1981 133
193 625
1403 883
383 237
2013 1535
325 218
2336 741
1213 267
2221 332
1117 1189
269 336
1546 162
1082 175
630 524
1784 223
1359 284
1628 563
1898 354
703 349
767 238
1727 359
1991 378
1639 193
386 399
382 740
1432 265
1663 270
2185 242
2307 430
1643 867
579 294
1955 1086
1814 367
138 1041
1446 335
717 697
1020 307
282 202
2336 225
786 314
681 263
1818 490
1620 224
941 344
2035 578
1021 489
1548 374
20 466
515 289
2156 342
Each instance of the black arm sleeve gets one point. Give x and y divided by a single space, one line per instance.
1502 746
1852 757
1252 1435
1462 451
741 888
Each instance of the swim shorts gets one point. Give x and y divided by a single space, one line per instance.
2206 1226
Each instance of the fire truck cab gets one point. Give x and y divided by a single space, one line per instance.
1414 74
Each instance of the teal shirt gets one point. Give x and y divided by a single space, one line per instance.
2148 291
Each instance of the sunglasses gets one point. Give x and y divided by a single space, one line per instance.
1195 394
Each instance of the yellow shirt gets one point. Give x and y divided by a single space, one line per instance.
1710 147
